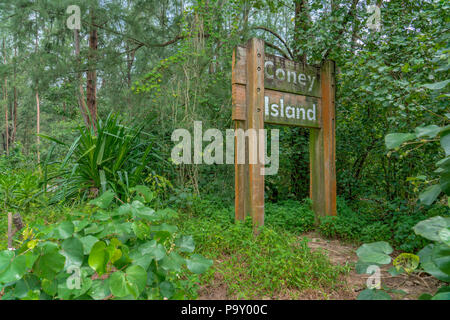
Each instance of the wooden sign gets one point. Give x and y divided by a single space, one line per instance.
271 89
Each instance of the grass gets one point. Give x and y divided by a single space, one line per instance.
274 263
41 216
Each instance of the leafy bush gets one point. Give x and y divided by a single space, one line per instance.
114 158
433 259
290 215
276 261
125 252
390 222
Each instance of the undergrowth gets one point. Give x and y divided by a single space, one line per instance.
274 262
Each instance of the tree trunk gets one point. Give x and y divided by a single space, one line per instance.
91 90
38 125
14 133
301 26
81 102
5 97
38 108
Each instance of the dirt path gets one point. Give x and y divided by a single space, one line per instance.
341 253
351 285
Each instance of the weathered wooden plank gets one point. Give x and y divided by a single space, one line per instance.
241 177
239 66
316 175
322 150
255 120
238 102
292 109
280 74
329 139
289 76
281 108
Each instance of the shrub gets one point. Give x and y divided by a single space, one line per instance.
111 158
125 252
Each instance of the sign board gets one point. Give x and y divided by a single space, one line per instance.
271 89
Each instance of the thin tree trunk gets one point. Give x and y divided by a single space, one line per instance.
38 125
91 89
81 102
38 108
14 133
5 97
301 26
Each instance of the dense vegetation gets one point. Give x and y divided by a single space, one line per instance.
88 116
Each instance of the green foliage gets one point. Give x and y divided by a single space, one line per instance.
275 261
433 259
290 215
390 222
113 157
98 254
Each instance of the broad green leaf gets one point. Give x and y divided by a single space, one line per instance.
29 282
198 264
99 289
430 131
80 224
131 282
137 276
50 262
144 194
185 243
140 229
164 227
442 296
104 201
50 287
361 267
153 249
72 249
99 257
140 259
166 289
118 284
373 294
394 140
430 194
444 235
444 182
88 242
437 85
428 265
430 228
63 230
12 268
445 141
376 252
172 262
441 257
94 228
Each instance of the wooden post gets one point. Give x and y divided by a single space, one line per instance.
252 94
10 232
255 121
239 115
323 149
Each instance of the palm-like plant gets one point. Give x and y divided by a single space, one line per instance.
113 157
